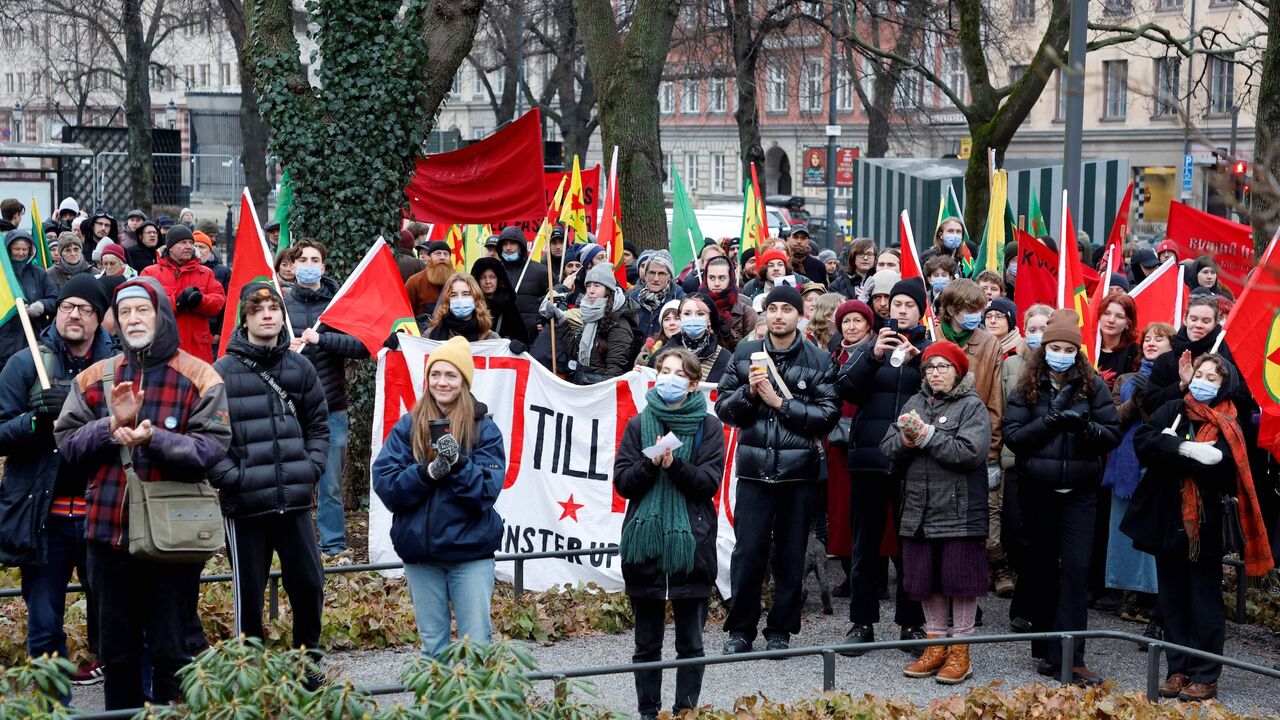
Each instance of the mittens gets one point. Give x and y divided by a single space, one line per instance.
447 448
1203 453
912 427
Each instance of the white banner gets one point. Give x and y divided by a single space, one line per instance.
560 441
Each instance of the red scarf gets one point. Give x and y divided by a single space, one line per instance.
724 300
1215 422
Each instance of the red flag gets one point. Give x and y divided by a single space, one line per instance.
497 179
1037 274
611 224
1198 233
1161 296
1071 288
1119 230
253 262
910 264
373 303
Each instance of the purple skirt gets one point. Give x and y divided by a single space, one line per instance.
955 567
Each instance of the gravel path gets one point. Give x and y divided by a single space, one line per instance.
879 673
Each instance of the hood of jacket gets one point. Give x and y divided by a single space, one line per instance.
499 271
165 343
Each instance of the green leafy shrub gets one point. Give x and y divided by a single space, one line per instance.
31 688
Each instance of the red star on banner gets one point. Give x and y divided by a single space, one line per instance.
571 508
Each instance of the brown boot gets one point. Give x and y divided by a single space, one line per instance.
957 669
928 664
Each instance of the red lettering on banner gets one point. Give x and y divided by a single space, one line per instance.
730 454
397 391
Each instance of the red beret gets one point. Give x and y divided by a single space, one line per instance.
854 306
950 352
114 249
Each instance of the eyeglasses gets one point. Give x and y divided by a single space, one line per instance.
868 254
938 369
67 308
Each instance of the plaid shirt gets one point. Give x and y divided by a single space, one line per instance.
187 406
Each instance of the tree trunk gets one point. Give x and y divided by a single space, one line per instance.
627 73
253 127
1265 210
137 104
745 67
449 30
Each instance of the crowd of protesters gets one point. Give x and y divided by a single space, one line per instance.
926 423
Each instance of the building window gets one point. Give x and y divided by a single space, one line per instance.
1024 10
868 78
812 9
717 95
478 133
688 14
717 173
690 94
35 81
844 89
10 83
498 79
953 72
457 83
1166 71
1168 4
1016 72
908 91
776 90
1222 83
667 95
811 85
667 165
477 84
690 175
204 75
225 68
1115 88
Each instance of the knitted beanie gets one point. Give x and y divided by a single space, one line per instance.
1064 326
457 352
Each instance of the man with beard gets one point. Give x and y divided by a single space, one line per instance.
801 251
513 251
658 285
748 262
328 350
501 299
164 417
424 287
71 260
734 310
99 229
39 292
555 250
193 291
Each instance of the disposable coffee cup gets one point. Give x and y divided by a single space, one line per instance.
759 361
899 356
438 429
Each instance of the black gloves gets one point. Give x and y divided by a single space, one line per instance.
189 298
47 404
1074 420
1058 407
392 342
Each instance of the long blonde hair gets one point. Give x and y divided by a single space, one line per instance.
483 317
462 420
822 324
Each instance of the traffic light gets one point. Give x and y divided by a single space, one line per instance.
1241 171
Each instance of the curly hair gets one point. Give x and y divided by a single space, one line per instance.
483 317
1081 375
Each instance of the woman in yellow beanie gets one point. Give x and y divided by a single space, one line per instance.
439 473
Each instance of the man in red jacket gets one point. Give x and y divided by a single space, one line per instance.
194 292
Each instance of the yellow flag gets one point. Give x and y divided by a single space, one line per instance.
574 212
993 241
544 230
473 243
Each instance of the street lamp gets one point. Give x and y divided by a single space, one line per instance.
17 122
171 114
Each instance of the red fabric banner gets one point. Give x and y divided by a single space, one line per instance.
498 177
1253 334
252 262
1198 233
1037 275
1161 297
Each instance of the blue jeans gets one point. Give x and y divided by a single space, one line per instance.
330 514
467 585
44 588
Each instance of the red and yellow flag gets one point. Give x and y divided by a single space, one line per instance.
548 222
611 224
574 212
373 303
253 263
1071 289
755 223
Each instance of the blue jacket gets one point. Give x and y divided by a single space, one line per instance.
450 520
33 465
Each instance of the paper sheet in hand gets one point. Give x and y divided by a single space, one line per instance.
664 443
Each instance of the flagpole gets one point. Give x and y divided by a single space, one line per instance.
1097 331
1178 310
1062 254
21 309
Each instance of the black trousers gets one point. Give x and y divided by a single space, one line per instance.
1017 544
1062 548
1192 608
651 626
251 543
767 514
871 497
137 596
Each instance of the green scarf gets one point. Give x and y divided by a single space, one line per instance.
659 528
959 337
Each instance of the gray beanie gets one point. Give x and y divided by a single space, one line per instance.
827 256
882 282
662 257
603 274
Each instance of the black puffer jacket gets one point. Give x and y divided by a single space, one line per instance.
277 454
531 290
780 445
1052 456
879 390
304 307
1165 385
697 480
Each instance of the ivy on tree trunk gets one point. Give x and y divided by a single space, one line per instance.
627 71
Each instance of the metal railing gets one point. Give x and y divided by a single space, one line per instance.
828 654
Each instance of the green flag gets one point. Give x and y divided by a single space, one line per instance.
283 202
686 236
1035 219
949 207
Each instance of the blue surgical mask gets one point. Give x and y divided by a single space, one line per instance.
307 274
971 321
511 257
671 388
939 283
1033 340
1203 390
1013 270
1059 362
952 240
462 307
693 326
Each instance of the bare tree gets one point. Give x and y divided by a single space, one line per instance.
253 127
